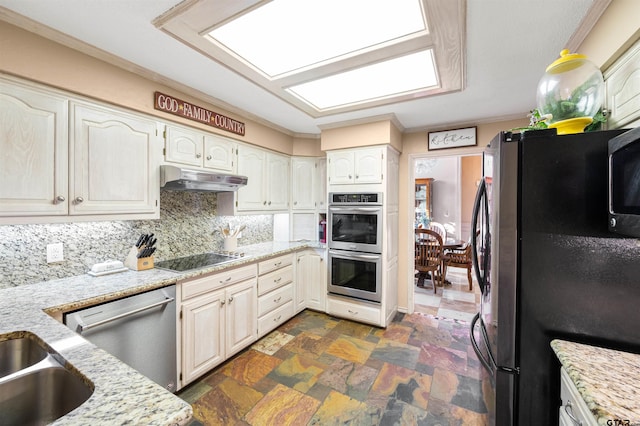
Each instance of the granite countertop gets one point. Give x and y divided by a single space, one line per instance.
608 380
121 395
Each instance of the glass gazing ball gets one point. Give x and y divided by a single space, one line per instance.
571 92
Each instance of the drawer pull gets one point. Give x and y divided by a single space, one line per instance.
277 280
231 299
226 281
277 300
569 411
277 319
352 312
277 264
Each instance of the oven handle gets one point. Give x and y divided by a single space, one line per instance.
352 255
356 209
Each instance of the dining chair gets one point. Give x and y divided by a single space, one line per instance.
440 229
459 258
429 253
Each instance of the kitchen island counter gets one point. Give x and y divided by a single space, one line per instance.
121 395
607 380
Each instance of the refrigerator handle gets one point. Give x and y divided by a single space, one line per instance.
487 363
477 205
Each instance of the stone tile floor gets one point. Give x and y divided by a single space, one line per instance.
320 370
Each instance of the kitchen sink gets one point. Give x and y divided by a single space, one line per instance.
19 353
37 386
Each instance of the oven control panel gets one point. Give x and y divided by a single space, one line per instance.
355 198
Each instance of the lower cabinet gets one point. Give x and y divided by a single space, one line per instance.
219 318
353 310
574 410
311 281
275 292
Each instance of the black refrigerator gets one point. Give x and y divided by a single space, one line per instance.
547 267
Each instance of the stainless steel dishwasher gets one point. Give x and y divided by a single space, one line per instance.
139 330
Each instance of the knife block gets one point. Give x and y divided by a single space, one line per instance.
138 264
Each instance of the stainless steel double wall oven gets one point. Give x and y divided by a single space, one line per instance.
355 245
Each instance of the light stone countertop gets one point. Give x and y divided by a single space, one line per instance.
121 395
608 380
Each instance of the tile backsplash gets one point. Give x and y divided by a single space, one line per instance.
188 225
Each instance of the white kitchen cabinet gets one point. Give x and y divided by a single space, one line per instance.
303 183
320 186
219 318
268 185
311 281
191 147
33 151
114 162
622 86
276 292
574 410
355 166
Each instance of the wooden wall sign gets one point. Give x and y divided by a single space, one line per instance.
193 112
452 138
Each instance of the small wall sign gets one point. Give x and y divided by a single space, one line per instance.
193 112
452 138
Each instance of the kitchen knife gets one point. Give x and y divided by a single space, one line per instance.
140 240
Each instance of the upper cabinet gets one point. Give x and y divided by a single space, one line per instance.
114 158
268 184
68 160
622 82
355 166
195 148
33 152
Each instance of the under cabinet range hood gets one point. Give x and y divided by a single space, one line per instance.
179 179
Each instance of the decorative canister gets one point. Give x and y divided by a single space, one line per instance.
570 93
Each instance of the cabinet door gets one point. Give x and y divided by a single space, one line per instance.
303 171
114 162
33 152
242 321
278 182
203 331
219 153
183 146
251 163
368 166
340 167
320 187
316 284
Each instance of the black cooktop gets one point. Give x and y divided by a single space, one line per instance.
196 261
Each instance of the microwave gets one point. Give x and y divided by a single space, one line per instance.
624 183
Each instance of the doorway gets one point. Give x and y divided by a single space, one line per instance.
453 181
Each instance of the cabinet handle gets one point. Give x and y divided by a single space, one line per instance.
59 199
350 176
209 158
226 281
231 299
277 300
277 319
357 176
352 312
277 280
569 411
264 203
198 155
277 264
269 202
79 200
222 302
295 203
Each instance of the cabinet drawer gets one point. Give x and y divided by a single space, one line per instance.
572 403
272 264
275 299
207 283
354 311
274 318
275 279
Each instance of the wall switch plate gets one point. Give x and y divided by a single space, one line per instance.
55 252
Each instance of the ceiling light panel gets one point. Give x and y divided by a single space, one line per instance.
405 74
286 35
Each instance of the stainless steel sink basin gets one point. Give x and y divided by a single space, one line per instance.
41 396
19 353
37 386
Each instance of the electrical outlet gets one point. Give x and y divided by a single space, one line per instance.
55 252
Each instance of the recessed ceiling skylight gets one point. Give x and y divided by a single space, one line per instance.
393 77
285 35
